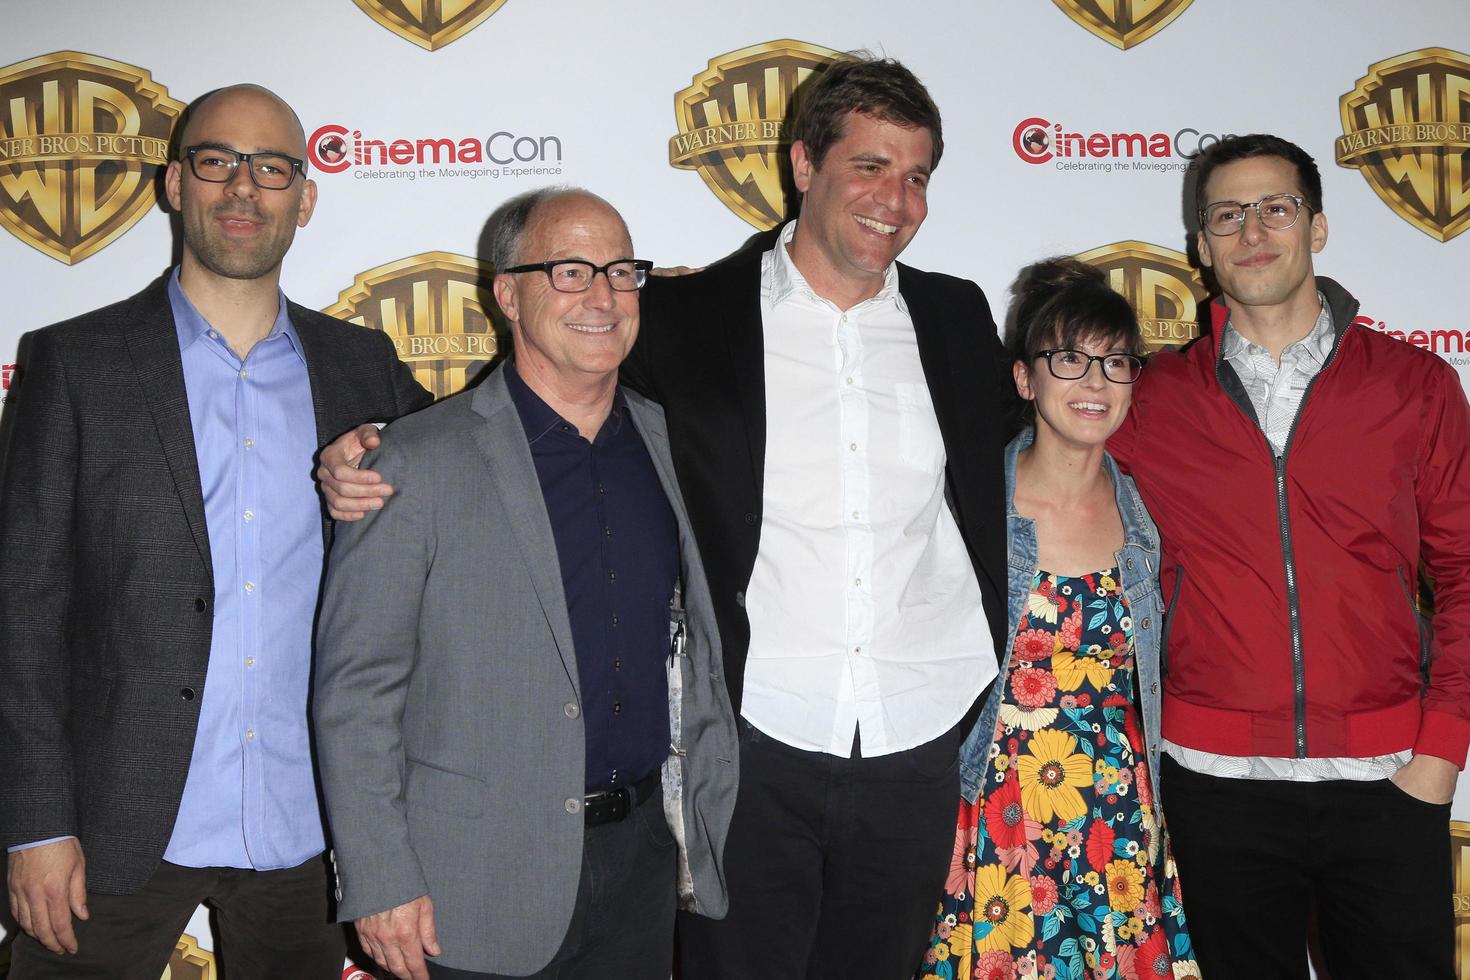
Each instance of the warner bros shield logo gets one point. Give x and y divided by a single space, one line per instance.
434 306
1163 288
732 125
430 24
82 140
1124 23
1406 127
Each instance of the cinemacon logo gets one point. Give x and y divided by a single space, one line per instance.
1438 341
1038 141
334 148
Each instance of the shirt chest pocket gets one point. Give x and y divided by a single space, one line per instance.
919 443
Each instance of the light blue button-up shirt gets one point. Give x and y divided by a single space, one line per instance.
250 800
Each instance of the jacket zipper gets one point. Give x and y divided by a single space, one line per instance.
1283 519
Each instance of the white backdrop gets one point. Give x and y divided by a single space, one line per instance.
590 86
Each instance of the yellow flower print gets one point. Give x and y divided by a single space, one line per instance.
1051 770
1001 903
1071 671
1125 886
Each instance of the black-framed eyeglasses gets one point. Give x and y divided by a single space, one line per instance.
1275 211
269 171
1071 365
576 275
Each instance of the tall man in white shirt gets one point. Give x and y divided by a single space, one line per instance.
837 422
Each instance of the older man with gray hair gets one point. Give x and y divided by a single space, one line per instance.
526 745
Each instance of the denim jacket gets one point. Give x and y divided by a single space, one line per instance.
1138 566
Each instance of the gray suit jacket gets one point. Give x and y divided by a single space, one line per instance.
448 719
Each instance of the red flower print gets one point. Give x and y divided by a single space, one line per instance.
1033 645
1033 687
995 965
1100 839
1153 957
1140 783
1070 632
1006 820
1043 894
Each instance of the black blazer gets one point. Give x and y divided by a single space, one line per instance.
700 353
106 585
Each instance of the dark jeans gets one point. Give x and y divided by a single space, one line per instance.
834 865
271 925
1257 857
622 924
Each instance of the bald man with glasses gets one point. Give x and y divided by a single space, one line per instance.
161 548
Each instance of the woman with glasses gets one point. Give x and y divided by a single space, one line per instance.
1061 866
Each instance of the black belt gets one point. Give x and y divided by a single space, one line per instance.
615 804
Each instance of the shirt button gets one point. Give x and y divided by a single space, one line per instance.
849 381
1128 564
857 651
570 709
186 693
573 806
249 443
749 518
214 335
617 663
607 532
852 446
1147 622
617 707
854 515
1153 688
857 581
612 576
615 620
249 734
249 516
740 599
249 586
201 604
244 373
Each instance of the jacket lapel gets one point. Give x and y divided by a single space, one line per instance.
507 457
153 345
746 341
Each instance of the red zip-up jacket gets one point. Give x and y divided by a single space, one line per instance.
1292 629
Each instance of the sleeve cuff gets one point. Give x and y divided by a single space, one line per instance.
1444 736
39 843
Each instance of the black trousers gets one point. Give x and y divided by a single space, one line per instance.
834 865
1257 858
622 924
271 925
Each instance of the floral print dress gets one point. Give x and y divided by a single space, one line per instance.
1060 871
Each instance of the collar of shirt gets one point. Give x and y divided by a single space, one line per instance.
1311 351
192 327
781 279
539 418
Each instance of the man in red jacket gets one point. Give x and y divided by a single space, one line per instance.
1302 470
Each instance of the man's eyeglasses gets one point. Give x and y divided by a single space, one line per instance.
576 275
269 171
1277 212
1070 365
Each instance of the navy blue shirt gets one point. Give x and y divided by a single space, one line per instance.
618 547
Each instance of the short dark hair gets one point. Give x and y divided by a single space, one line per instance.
1234 148
1062 302
878 87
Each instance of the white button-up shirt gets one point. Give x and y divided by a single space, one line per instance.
864 608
